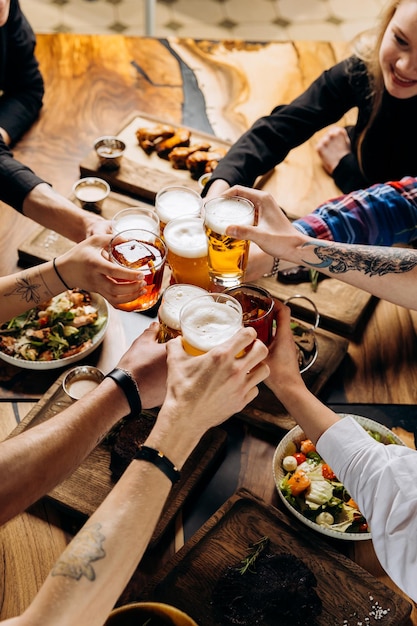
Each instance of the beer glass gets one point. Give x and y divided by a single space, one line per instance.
258 308
172 301
227 257
145 251
176 201
208 321
142 217
186 241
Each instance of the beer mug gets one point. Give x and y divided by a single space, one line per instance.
176 201
142 217
258 308
209 320
173 300
145 251
227 257
186 241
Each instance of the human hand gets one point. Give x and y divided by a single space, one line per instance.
332 147
217 188
274 233
146 360
283 358
98 226
203 391
87 266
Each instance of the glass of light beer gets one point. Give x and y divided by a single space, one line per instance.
176 201
186 241
172 301
258 308
227 257
142 217
145 251
209 320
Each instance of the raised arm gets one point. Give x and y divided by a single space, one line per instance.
202 392
388 273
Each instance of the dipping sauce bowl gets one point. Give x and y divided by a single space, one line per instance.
110 151
78 381
91 193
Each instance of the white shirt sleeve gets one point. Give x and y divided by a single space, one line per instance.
382 479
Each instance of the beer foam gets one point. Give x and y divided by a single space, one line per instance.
133 222
173 300
222 212
186 237
176 203
210 324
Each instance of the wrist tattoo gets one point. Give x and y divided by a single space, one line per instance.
365 259
77 559
30 291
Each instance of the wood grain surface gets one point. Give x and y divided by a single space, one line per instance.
348 593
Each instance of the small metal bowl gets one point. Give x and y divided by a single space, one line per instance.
305 336
78 381
110 151
91 193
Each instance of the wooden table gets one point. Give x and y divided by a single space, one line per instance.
91 88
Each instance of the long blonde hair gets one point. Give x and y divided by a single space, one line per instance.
367 47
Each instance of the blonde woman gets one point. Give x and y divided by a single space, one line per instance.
379 80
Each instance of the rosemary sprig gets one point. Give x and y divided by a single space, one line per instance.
257 548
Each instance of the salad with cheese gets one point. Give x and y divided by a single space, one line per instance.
59 328
312 488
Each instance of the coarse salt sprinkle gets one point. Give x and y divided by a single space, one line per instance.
376 614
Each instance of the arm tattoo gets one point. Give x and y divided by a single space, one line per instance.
85 548
371 260
29 290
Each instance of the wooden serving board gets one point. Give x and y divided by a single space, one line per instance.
44 244
342 308
82 493
267 412
348 593
142 174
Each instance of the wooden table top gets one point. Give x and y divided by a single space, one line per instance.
92 86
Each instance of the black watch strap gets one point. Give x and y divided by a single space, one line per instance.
145 453
129 386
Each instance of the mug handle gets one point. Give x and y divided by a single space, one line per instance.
316 312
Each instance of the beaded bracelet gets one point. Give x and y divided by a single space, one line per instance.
59 275
275 268
145 453
128 384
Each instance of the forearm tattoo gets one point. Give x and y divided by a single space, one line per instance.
85 548
30 291
371 260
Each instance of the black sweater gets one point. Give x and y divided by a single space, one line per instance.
389 152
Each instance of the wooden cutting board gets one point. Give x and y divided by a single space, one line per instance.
348 593
141 174
81 493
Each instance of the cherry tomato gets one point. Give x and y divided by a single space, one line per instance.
299 457
327 472
43 321
363 528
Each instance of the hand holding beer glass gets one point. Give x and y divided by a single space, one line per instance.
143 250
208 321
227 257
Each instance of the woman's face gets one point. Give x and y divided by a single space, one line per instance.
398 51
4 11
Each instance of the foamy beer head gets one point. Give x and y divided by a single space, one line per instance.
142 217
227 257
175 297
208 321
186 241
176 201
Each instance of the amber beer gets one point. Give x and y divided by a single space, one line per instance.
176 201
258 309
208 321
143 250
227 257
174 298
186 241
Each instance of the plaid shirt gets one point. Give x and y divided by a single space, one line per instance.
382 215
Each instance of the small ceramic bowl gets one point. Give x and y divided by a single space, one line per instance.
91 193
78 381
110 152
148 612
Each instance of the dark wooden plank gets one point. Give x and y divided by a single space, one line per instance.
347 592
86 488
